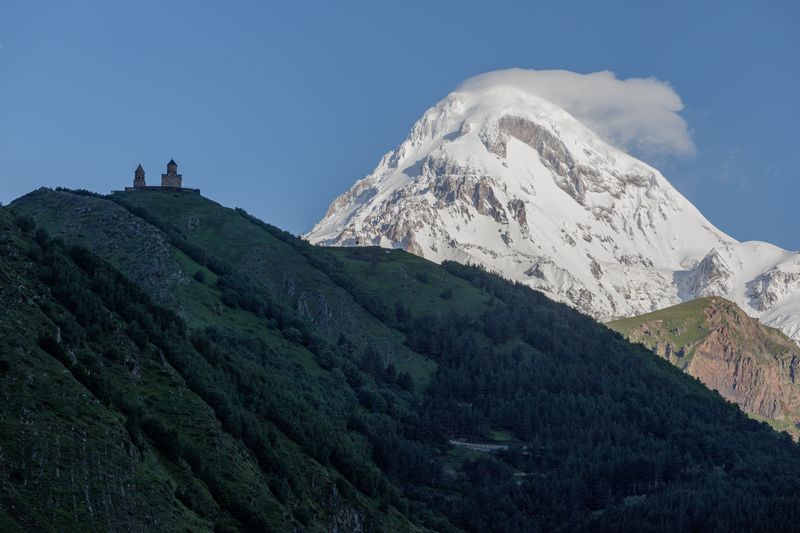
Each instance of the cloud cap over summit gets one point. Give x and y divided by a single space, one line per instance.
635 114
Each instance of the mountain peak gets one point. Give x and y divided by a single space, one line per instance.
499 176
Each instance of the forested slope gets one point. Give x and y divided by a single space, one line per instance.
355 388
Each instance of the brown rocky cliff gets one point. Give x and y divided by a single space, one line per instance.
748 363
712 339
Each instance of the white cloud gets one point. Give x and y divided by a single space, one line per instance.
639 114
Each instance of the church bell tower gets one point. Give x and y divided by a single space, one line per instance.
138 177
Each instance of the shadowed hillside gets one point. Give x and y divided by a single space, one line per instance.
252 381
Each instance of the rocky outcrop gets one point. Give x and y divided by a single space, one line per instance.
553 153
747 363
711 276
486 203
772 286
750 364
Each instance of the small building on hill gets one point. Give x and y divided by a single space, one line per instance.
138 177
171 178
171 181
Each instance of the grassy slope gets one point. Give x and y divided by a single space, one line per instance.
407 278
682 326
685 326
286 273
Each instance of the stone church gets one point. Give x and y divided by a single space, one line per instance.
171 178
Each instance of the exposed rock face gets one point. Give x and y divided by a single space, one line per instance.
768 289
572 177
486 203
517 209
711 276
750 364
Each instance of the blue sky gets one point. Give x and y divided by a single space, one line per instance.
278 107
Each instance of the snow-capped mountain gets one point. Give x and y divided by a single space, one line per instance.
496 176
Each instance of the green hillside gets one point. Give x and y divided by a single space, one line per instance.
681 326
251 381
